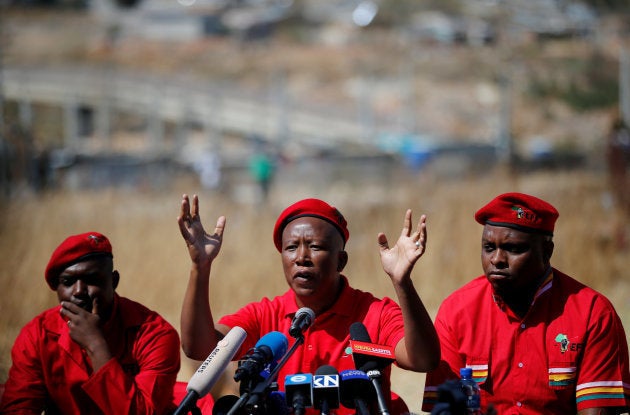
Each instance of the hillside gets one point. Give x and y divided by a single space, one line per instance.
400 85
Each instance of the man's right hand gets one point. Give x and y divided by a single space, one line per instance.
202 247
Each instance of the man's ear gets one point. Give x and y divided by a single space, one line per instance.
342 260
115 279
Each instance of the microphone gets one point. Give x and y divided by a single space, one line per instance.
356 391
364 351
270 348
302 320
369 363
299 392
223 405
275 403
326 389
210 371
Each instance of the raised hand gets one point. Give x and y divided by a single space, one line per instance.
399 260
202 246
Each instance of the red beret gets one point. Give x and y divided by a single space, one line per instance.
73 249
310 207
519 211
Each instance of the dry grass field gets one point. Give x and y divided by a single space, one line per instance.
153 262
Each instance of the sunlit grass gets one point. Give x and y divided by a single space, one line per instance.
153 261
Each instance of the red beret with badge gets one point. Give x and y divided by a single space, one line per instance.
519 211
74 249
310 207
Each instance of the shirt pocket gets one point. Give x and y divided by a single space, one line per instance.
479 368
562 354
562 374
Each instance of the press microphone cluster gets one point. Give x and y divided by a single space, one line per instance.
328 389
371 359
210 371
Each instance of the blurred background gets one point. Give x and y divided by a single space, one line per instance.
110 110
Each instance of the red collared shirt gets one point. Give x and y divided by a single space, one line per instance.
567 354
51 372
327 341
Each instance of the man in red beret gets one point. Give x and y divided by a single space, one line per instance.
95 353
537 340
310 236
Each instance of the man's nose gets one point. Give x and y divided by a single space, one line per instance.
79 288
303 253
498 257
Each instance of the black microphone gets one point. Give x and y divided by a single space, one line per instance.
211 369
370 364
223 405
275 404
356 391
326 389
299 392
270 348
302 320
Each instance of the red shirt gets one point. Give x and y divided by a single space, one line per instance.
327 341
51 372
568 353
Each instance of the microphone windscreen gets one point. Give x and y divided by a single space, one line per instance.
359 332
326 370
276 403
355 384
224 404
306 312
276 342
209 372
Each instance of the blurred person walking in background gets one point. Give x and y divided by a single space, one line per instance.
95 353
311 236
537 340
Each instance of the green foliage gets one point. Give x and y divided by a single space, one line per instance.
609 5
582 84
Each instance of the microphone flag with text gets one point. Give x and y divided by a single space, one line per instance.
365 352
299 392
326 389
210 371
269 349
303 319
371 360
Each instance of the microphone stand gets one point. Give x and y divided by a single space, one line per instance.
361 407
189 404
194 410
251 399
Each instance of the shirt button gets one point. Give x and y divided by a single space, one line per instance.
522 325
519 404
310 347
520 364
